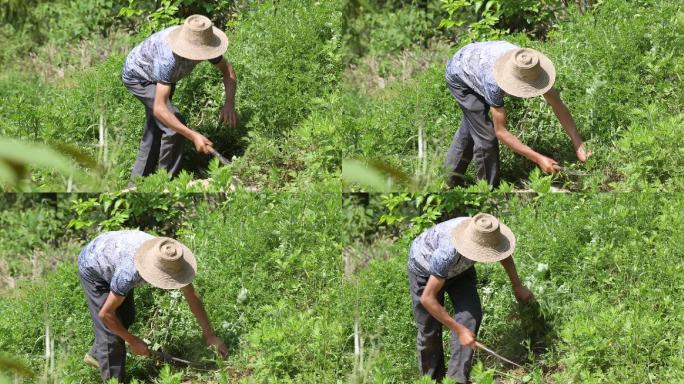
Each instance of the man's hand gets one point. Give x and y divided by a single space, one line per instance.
202 144
228 115
582 154
139 347
548 164
523 294
466 337
214 341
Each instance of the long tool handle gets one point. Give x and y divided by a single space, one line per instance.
165 357
484 348
221 158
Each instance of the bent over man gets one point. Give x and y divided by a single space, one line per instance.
441 261
478 76
151 72
110 267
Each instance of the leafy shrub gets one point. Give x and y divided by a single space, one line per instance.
287 60
650 153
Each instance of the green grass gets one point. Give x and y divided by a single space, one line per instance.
614 65
288 65
605 269
269 275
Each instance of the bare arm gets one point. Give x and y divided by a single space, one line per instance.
228 114
197 309
510 140
562 112
429 300
162 113
522 294
108 316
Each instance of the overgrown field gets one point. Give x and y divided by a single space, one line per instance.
61 86
606 270
269 275
619 70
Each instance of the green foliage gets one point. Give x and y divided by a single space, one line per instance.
284 134
407 123
167 376
164 16
18 367
487 15
261 257
482 375
650 159
16 157
285 69
567 246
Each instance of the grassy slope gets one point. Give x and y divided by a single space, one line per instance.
269 271
277 141
609 298
614 67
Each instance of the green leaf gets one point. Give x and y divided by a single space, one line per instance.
356 172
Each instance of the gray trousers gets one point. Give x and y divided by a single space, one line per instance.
462 291
160 145
108 349
474 139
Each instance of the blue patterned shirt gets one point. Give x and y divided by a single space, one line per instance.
153 61
433 253
474 65
109 258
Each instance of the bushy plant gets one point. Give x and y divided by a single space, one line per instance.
285 69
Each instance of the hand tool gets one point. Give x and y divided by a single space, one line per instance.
167 358
484 348
221 158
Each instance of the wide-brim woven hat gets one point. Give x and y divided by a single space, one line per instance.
197 39
165 263
524 72
483 238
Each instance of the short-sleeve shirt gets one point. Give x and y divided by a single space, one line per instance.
109 258
153 61
433 252
474 65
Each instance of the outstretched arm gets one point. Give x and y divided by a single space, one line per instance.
546 164
228 114
162 113
522 294
197 309
429 300
562 112
108 316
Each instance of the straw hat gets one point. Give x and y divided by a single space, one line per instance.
165 263
483 238
524 72
197 39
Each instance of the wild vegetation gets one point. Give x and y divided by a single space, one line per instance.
618 70
605 269
269 275
61 86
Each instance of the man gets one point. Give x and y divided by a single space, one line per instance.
151 72
441 261
110 267
478 76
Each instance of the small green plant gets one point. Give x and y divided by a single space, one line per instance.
167 376
482 375
486 15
